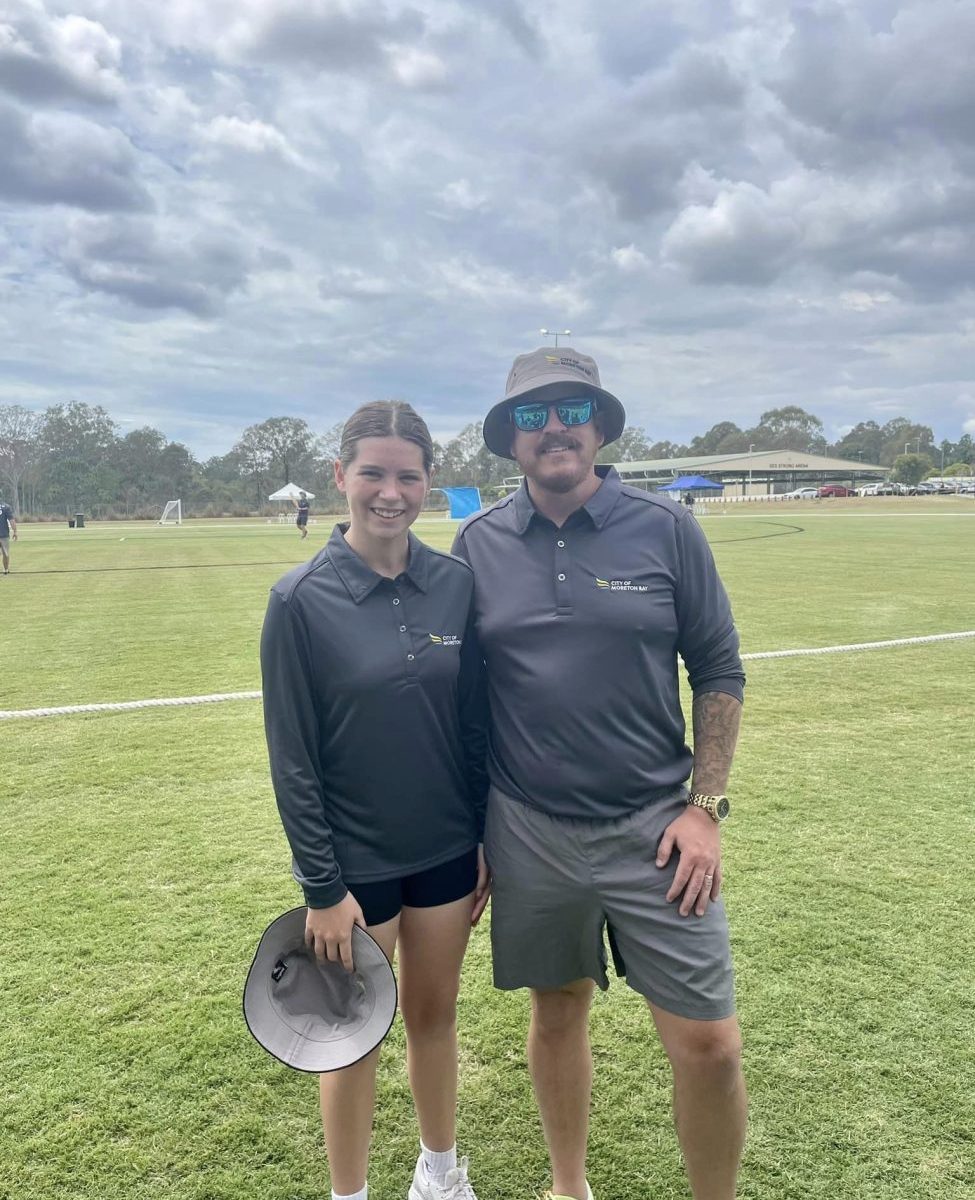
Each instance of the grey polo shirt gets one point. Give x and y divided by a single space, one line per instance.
375 711
581 627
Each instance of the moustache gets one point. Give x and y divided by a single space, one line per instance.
557 443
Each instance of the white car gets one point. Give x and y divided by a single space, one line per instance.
805 493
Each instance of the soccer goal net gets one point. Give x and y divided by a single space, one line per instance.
172 513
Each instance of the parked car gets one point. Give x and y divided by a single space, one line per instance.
803 493
835 489
926 489
868 489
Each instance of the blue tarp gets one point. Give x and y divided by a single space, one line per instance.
687 483
463 500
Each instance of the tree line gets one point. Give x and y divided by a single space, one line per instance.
73 458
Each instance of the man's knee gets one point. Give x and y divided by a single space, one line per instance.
558 1011
708 1047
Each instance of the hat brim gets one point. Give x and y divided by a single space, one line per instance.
297 1047
498 430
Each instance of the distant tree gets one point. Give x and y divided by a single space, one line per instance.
900 432
787 428
910 468
863 442
21 448
631 446
709 443
79 442
286 444
964 450
661 450
958 468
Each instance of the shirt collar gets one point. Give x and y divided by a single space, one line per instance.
599 505
360 579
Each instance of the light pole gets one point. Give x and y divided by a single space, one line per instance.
750 449
556 333
907 447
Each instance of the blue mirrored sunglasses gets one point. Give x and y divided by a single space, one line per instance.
529 418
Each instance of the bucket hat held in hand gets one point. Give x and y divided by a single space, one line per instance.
317 1016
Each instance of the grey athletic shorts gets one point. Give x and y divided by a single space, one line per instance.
558 882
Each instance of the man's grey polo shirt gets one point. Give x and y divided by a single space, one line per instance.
375 712
581 627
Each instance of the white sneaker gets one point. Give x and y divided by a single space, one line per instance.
456 1186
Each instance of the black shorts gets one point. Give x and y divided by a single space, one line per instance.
301 519
382 900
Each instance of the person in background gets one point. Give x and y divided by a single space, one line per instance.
8 529
375 713
301 516
586 593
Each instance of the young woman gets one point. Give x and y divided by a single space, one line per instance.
375 713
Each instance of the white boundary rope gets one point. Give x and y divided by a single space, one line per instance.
12 714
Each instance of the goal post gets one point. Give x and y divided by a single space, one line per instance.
172 513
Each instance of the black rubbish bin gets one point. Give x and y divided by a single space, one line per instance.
71 522
79 520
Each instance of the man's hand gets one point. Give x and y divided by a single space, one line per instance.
328 931
698 876
482 889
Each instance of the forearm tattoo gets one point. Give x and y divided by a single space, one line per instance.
716 720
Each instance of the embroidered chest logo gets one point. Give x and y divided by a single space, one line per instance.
445 639
621 585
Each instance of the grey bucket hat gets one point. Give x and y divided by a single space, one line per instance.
317 1016
550 374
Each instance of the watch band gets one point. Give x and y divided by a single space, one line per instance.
717 807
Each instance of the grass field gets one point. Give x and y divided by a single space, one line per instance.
141 858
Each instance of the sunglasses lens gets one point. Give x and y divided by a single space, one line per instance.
529 418
575 412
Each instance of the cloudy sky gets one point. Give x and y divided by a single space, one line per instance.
213 213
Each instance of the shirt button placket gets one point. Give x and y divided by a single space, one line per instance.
406 640
563 597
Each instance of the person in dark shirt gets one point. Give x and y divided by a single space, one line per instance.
375 712
588 594
8 527
301 516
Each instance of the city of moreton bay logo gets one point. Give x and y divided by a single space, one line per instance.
445 639
621 585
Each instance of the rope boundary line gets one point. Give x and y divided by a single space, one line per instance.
12 714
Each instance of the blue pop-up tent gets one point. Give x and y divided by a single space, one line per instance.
689 483
463 500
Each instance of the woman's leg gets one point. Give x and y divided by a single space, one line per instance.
347 1100
432 942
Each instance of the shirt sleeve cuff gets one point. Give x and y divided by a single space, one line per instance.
731 686
325 897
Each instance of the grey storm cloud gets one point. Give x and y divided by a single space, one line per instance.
332 37
61 158
703 191
857 82
510 15
46 62
155 266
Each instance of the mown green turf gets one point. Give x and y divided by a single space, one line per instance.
141 858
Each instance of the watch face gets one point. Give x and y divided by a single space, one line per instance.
723 808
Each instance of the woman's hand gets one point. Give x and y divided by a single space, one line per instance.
328 931
482 889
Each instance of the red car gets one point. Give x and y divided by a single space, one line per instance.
834 489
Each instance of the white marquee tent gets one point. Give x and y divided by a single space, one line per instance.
290 492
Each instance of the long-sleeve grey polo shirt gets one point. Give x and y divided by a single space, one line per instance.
375 711
581 627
